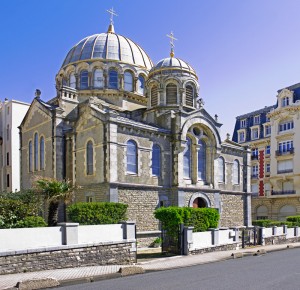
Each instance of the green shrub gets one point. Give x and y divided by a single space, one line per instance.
201 218
294 219
95 213
13 211
31 222
271 223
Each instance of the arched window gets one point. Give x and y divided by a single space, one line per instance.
156 160
141 85
42 153
189 96
154 96
89 158
72 81
128 81
30 156
131 157
221 169
202 160
98 79
36 151
187 159
171 94
113 79
236 172
84 79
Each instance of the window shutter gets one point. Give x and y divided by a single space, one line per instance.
171 92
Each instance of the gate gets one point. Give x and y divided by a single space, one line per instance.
173 243
250 237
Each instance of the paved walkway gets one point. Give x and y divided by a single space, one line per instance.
63 275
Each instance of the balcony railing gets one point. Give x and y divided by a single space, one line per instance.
254 176
254 157
284 171
288 151
283 192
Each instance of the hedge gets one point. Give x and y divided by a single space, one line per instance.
95 213
271 223
201 218
31 222
294 219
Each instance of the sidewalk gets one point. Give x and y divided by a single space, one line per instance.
102 272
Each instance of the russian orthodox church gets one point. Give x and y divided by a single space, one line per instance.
127 130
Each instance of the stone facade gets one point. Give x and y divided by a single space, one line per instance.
67 257
138 134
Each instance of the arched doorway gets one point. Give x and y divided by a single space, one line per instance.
199 202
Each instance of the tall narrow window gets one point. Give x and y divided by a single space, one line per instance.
72 81
84 79
128 81
221 170
7 132
7 158
30 156
154 96
98 79
171 94
36 151
189 96
285 101
202 160
187 159
7 181
42 153
113 79
156 160
141 85
131 157
89 158
236 172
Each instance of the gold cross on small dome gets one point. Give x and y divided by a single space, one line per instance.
172 38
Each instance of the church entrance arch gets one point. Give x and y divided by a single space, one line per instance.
199 200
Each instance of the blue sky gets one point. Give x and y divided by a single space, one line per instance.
243 51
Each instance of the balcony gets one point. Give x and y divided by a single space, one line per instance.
283 192
254 176
288 151
284 171
254 157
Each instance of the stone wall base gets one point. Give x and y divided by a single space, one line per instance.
67 257
228 247
278 240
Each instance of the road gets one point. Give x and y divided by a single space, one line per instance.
276 270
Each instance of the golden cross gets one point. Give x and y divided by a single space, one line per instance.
112 14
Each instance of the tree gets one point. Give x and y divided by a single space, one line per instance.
54 191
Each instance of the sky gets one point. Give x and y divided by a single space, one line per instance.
243 51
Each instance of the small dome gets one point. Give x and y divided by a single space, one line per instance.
109 46
173 63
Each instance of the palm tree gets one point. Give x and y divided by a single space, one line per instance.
54 191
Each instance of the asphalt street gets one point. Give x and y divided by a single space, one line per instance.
276 270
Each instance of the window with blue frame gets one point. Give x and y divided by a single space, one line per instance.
268 150
113 79
131 157
286 125
36 151
84 79
187 159
30 156
202 160
156 160
42 153
89 158
141 84
128 81
285 101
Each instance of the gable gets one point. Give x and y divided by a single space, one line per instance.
35 117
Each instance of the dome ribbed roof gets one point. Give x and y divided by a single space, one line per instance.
173 63
109 46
